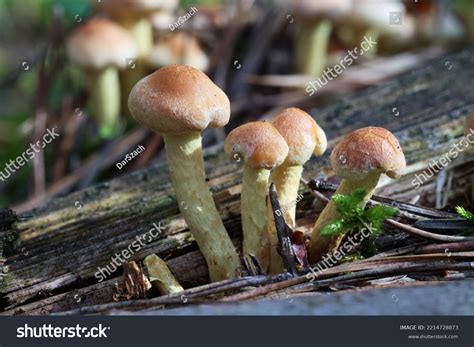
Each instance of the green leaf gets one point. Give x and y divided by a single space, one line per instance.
349 205
333 228
378 214
465 213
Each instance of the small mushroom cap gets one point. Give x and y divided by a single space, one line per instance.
178 99
302 134
366 151
178 48
258 143
99 43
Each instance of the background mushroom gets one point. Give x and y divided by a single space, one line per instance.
359 159
179 102
178 48
262 148
134 16
304 138
100 47
315 20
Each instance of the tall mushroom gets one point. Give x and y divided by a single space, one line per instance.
179 102
100 47
359 159
262 148
304 138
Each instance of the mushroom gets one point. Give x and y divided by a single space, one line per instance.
100 47
180 102
178 48
470 132
315 20
359 159
134 16
161 276
304 138
262 148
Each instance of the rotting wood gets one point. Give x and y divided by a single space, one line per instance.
59 247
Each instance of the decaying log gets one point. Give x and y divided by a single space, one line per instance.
52 262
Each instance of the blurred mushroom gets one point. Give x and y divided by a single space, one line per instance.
304 138
161 21
160 275
180 102
134 16
100 47
359 159
178 48
262 148
315 21
382 21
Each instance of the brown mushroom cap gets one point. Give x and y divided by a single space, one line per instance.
368 150
178 99
258 143
99 43
302 134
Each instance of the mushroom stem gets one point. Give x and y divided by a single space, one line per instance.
142 31
186 165
160 275
321 245
254 219
104 89
312 46
287 181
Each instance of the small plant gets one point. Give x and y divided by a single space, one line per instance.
354 216
465 214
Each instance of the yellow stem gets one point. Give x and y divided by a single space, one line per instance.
254 219
104 94
287 181
186 165
321 245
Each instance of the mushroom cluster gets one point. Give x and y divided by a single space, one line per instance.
120 45
180 101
